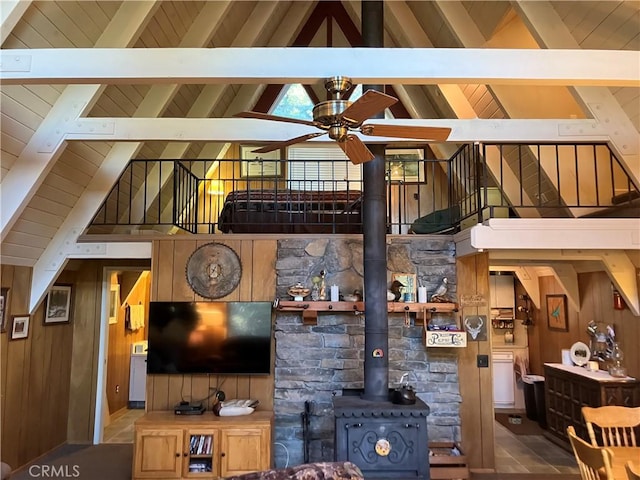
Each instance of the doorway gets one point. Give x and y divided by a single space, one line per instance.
121 379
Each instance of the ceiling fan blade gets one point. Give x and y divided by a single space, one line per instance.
276 118
286 143
356 150
370 103
407 131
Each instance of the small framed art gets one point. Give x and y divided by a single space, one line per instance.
260 165
405 165
58 305
557 313
20 327
409 287
4 307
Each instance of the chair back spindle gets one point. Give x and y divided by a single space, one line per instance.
616 425
594 462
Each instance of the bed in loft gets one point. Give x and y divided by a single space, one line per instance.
291 211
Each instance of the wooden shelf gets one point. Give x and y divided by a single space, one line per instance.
311 309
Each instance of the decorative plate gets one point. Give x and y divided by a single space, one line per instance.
213 270
580 353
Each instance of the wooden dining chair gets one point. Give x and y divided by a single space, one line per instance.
632 472
616 425
594 462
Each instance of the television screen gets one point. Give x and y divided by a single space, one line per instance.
209 337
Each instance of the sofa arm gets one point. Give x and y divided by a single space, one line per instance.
308 471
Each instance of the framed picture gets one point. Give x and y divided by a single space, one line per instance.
4 306
58 305
19 327
557 313
409 286
114 303
405 165
260 165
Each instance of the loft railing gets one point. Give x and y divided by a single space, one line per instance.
323 196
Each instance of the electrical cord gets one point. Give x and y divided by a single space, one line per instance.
286 451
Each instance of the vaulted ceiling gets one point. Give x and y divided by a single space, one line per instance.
88 85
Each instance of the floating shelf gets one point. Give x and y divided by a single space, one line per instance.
311 309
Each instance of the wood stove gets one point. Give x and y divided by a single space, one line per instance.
383 439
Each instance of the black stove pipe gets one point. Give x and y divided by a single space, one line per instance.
376 362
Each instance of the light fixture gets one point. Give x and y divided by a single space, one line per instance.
215 187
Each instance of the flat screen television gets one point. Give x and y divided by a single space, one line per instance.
209 337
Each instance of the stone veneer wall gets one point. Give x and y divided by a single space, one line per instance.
315 362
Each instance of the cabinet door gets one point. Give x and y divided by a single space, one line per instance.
158 453
244 450
505 293
200 453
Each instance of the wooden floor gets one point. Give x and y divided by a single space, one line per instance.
524 476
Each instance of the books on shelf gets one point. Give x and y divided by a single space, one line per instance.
200 445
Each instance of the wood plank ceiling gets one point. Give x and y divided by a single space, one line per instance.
51 188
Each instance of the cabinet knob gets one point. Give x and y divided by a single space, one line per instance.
178 455
184 454
222 454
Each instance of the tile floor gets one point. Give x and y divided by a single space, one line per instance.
120 428
530 454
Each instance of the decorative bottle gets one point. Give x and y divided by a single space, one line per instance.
616 356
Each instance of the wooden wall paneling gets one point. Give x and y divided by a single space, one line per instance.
181 291
476 413
17 357
263 284
88 301
6 281
179 388
247 254
38 386
23 410
157 393
200 389
162 276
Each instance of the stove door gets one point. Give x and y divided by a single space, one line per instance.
390 448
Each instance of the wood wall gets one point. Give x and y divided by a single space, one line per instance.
476 390
34 377
169 283
596 304
135 288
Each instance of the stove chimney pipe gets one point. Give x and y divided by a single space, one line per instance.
376 329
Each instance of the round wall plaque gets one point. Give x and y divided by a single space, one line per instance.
214 270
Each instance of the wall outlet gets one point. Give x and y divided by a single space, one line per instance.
482 361
117 388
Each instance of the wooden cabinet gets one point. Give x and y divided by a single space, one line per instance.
169 446
569 388
502 291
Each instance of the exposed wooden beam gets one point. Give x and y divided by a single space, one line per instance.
253 130
557 233
11 12
420 66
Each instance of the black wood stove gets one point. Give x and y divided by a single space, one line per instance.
385 440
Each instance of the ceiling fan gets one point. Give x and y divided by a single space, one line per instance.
338 117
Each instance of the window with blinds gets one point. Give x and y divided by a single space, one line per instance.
321 168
